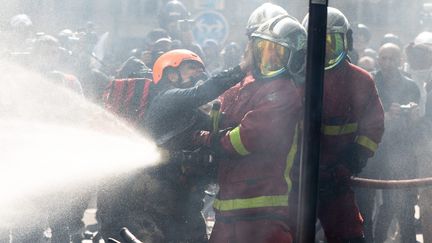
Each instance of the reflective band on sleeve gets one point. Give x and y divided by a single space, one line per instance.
290 159
254 202
339 130
264 201
236 142
367 142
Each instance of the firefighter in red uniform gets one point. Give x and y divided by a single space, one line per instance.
258 143
353 123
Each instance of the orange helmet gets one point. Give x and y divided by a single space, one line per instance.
172 59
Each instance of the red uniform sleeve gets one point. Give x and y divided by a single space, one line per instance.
270 125
370 113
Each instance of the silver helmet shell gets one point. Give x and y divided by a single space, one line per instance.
261 14
286 31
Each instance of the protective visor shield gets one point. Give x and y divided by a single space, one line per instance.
270 58
335 50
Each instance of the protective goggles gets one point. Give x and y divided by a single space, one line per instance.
335 49
270 58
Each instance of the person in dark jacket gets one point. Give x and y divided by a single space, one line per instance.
176 75
399 96
171 119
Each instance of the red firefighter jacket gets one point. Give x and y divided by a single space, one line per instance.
352 113
261 147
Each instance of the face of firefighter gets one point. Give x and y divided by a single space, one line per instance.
190 73
269 57
389 58
335 50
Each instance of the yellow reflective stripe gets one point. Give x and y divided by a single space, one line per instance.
290 159
339 130
215 116
236 142
264 201
367 142
254 202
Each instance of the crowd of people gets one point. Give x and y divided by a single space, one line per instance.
231 116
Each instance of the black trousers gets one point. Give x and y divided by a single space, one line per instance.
397 204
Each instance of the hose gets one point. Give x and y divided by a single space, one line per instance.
391 184
128 236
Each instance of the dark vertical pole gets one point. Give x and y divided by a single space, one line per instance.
312 121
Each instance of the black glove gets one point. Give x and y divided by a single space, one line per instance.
211 140
354 157
198 156
199 162
231 76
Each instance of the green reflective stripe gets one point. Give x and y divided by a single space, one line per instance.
367 142
339 130
236 142
254 202
290 159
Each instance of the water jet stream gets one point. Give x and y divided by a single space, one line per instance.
52 140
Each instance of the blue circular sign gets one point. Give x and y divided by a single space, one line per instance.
210 25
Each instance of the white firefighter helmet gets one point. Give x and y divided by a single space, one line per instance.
279 46
261 14
20 21
337 22
338 39
423 38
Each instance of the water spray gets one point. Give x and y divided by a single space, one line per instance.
53 140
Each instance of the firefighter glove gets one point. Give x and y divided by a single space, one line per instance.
355 158
210 140
199 162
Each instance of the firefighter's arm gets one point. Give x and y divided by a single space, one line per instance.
371 119
269 127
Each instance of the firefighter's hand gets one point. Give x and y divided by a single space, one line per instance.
210 140
198 162
355 158
198 156
203 138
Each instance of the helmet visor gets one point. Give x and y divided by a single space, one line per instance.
270 58
335 49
